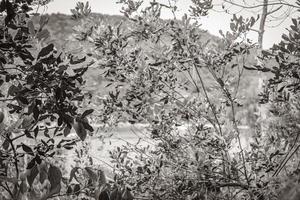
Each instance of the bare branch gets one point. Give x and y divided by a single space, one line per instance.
263 4
275 10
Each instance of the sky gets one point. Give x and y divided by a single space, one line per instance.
214 22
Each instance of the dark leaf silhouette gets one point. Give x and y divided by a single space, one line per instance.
32 175
45 51
27 149
80 130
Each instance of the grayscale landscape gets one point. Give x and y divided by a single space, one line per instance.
149 100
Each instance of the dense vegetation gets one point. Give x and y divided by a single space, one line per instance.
193 92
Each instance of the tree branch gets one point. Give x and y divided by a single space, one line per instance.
262 5
275 10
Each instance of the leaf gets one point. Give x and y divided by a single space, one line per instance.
294 21
55 190
23 100
76 189
249 68
87 126
44 34
281 89
27 149
31 164
232 26
43 173
23 187
1 117
115 194
5 144
67 131
73 173
36 112
12 90
104 196
54 176
46 132
75 60
102 178
69 190
45 51
32 175
80 130
92 175
43 21
36 131
27 133
31 28
127 195
87 112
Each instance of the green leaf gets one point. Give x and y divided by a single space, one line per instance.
45 51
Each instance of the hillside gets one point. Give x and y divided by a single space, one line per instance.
62 28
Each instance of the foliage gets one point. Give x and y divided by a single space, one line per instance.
155 71
164 74
41 88
281 93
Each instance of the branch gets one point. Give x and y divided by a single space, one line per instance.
273 11
233 185
262 5
208 100
255 30
4 100
287 157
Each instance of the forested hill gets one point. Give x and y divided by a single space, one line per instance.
63 29
61 26
62 32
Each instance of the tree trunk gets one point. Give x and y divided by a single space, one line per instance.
262 24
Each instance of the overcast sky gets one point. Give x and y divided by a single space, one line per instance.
214 22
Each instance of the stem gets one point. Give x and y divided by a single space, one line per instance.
5 187
285 162
239 140
209 102
286 158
